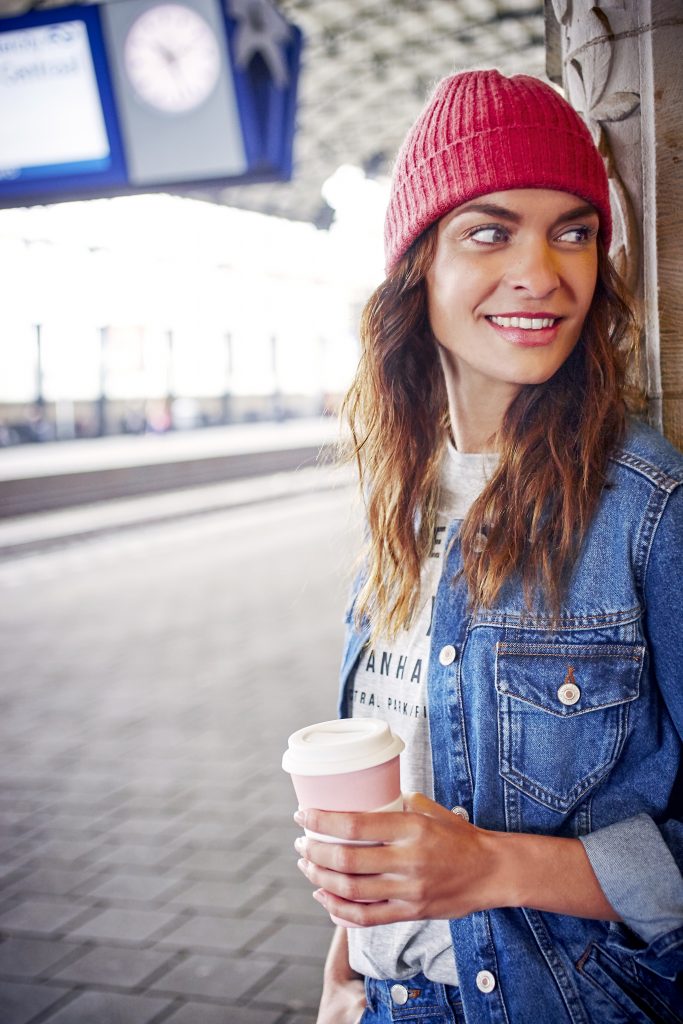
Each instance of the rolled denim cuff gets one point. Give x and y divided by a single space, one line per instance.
638 875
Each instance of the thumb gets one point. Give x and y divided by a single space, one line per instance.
421 804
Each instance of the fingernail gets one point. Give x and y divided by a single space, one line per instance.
319 895
302 865
299 845
300 818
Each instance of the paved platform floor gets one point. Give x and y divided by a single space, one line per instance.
149 681
123 450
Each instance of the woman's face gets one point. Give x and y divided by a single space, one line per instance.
510 286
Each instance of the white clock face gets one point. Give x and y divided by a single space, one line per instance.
172 58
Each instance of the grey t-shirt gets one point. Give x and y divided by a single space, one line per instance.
391 683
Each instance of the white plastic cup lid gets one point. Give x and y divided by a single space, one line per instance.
343 745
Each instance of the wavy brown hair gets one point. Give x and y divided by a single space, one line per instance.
554 444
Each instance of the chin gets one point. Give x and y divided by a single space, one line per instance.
534 379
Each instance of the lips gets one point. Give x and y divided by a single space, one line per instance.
530 330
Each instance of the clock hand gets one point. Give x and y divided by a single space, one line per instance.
168 56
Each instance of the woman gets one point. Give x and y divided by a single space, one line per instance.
517 616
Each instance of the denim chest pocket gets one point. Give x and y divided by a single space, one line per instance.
563 715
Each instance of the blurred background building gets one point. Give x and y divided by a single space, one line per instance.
155 312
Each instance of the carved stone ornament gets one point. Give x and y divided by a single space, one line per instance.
563 10
587 73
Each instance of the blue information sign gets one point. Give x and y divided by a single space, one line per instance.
144 95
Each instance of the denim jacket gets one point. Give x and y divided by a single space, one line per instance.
574 729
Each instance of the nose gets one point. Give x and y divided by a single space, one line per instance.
535 270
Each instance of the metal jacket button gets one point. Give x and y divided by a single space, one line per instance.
461 812
399 994
447 654
569 693
486 981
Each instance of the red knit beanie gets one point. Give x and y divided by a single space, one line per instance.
482 132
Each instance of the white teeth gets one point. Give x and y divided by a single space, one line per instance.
526 323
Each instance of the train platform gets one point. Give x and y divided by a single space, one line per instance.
124 450
32 533
54 475
150 678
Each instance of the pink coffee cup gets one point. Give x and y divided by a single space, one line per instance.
350 764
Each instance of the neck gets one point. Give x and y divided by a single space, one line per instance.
476 406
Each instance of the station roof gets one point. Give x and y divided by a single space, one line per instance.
367 69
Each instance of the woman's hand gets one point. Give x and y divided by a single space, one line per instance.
343 998
431 864
342 1002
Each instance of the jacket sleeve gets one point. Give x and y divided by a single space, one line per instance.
638 862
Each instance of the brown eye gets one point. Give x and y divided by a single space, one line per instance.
494 234
577 235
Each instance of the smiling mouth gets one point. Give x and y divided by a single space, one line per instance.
525 323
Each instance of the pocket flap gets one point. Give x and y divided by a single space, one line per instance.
569 679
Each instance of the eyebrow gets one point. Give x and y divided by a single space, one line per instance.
502 212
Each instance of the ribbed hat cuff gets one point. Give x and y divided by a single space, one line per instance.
494 161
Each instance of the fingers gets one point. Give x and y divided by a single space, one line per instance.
350 860
366 915
353 887
375 826
355 826
413 871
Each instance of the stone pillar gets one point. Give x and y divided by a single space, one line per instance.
620 64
